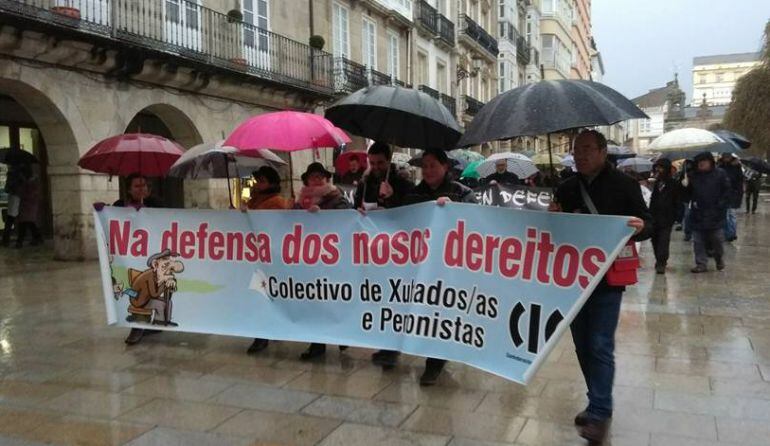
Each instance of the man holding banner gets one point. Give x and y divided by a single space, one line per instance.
600 189
382 187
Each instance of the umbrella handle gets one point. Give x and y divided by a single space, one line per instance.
227 173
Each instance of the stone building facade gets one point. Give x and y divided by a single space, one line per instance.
185 70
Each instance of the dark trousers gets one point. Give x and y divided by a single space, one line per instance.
661 238
752 196
705 241
433 363
593 332
25 226
10 225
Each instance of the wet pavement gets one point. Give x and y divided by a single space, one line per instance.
693 359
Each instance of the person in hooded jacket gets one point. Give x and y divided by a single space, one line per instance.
709 191
665 202
319 194
436 185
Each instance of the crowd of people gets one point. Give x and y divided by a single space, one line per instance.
699 195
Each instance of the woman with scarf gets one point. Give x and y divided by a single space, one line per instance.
436 185
317 194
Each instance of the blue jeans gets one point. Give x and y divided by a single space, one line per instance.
731 225
593 332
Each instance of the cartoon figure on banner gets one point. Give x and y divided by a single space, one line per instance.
152 289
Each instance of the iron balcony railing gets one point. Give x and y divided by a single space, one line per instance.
472 105
191 31
379 78
446 30
427 16
450 103
430 92
435 23
349 76
476 33
510 33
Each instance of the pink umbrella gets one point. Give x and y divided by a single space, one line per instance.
145 154
286 131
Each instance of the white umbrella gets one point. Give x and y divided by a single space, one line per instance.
636 164
516 163
688 138
213 160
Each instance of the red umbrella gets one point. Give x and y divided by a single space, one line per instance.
145 154
286 131
343 161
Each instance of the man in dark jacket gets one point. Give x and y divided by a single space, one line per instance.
501 175
709 190
753 185
730 164
664 206
593 329
382 187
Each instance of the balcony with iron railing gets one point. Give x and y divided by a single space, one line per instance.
434 24
478 35
427 17
379 78
430 92
349 76
446 30
450 103
510 33
185 30
472 105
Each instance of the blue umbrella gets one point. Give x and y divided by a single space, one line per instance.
739 141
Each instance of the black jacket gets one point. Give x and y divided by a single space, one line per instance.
735 174
710 194
451 189
613 193
149 202
665 202
504 178
368 190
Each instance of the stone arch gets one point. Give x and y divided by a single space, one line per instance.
60 143
182 129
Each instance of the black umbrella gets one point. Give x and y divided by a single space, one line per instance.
757 164
739 141
454 163
401 116
16 156
548 107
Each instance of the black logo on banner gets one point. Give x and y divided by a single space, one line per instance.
534 320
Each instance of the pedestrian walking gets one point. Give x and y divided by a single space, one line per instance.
354 173
266 195
318 193
29 208
665 203
753 185
382 187
599 188
710 194
437 185
732 166
14 184
137 196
